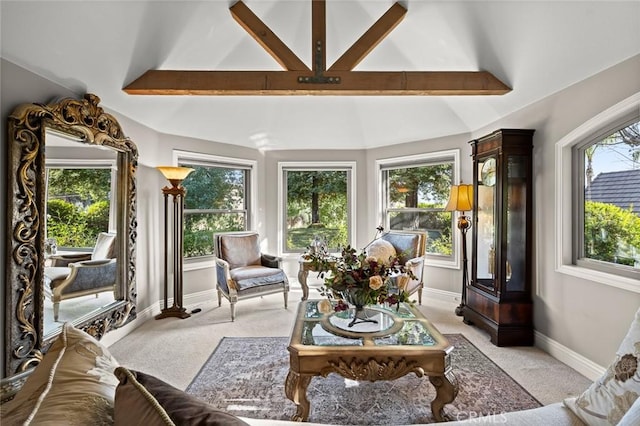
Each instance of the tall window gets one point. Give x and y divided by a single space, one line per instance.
414 192
317 202
607 234
80 202
218 199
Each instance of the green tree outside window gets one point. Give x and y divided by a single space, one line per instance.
316 206
78 202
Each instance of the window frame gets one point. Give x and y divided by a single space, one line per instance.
578 255
567 180
436 157
210 160
283 166
59 163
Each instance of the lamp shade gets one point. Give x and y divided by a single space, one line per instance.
174 173
461 198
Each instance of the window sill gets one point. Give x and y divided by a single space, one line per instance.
616 281
441 264
198 263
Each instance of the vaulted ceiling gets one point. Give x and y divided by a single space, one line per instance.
535 47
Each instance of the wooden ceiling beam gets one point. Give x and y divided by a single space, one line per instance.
370 39
266 38
360 83
318 35
299 79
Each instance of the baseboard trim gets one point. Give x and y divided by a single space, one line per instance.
200 297
149 313
443 295
582 365
141 317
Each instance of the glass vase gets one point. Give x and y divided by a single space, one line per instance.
358 299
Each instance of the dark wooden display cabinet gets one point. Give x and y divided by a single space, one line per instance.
499 294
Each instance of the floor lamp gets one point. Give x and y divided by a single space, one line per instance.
175 175
461 200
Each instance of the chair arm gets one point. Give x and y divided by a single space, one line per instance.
88 275
223 274
271 261
64 259
93 263
416 265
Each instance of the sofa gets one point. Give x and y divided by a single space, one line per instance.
78 382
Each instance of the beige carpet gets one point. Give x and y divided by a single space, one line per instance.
175 350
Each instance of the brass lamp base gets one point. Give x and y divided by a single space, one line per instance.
174 312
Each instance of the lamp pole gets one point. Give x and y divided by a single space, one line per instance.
464 223
461 200
175 175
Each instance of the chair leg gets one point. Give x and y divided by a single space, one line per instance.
286 299
233 311
420 294
56 311
219 298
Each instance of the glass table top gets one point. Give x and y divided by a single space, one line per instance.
401 325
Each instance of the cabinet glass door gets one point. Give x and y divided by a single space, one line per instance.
486 223
516 209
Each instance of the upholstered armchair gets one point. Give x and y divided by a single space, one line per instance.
242 271
81 274
409 247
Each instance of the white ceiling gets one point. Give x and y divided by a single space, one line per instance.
535 47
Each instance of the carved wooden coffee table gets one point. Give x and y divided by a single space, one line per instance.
399 343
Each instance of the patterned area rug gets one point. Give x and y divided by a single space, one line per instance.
245 377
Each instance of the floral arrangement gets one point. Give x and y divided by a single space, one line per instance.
359 279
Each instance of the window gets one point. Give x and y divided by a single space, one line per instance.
218 199
317 201
607 206
414 192
571 197
80 201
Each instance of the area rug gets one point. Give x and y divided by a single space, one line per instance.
245 376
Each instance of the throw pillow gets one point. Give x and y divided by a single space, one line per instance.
607 400
73 385
145 399
382 250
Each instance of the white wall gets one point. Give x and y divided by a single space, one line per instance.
586 317
583 316
570 315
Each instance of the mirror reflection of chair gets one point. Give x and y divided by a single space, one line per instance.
242 271
410 247
80 274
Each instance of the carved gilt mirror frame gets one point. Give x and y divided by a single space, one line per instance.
85 122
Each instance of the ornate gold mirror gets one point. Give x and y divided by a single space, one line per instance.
31 128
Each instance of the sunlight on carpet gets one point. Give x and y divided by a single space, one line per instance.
245 377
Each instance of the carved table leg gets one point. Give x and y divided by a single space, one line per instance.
295 388
446 391
303 273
